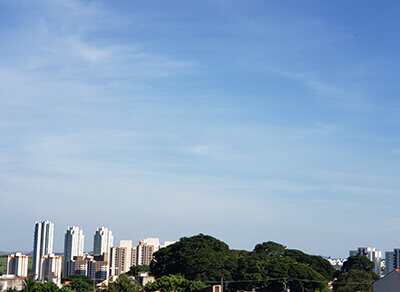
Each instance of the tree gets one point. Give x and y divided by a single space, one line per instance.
124 283
199 257
358 263
174 283
318 263
270 249
134 270
29 285
81 283
47 287
356 274
355 280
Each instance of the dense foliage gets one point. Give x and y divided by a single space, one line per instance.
176 283
80 283
267 267
356 274
134 270
200 257
124 283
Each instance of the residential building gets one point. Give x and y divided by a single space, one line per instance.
95 267
121 258
42 244
372 254
392 260
103 241
144 253
11 282
73 245
17 265
389 283
50 268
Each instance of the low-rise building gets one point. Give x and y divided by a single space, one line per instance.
50 268
11 282
17 265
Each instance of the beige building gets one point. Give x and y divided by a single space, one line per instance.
96 267
50 268
17 265
122 258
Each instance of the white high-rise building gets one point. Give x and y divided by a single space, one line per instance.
103 240
372 254
17 264
73 245
50 268
42 244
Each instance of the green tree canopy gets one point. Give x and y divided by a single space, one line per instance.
134 270
176 283
80 283
270 249
124 283
200 257
47 287
358 263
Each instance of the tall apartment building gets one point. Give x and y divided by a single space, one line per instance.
17 264
42 244
392 260
73 245
121 258
50 268
103 240
372 254
144 253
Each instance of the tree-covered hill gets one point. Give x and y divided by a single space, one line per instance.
267 267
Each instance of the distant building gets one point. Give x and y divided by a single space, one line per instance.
144 253
392 260
121 258
42 244
146 248
95 267
73 245
389 283
17 265
50 269
103 241
372 254
11 282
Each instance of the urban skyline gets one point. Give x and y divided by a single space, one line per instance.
247 120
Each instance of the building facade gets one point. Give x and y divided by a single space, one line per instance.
73 245
392 260
42 244
372 254
103 240
17 265
96 267
50 269
121 258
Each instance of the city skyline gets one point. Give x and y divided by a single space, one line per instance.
246 120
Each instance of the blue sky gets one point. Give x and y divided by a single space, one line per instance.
247 120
